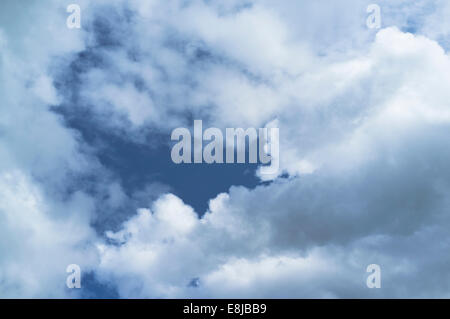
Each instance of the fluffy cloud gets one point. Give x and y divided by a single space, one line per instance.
41 238
363 117
45 226
380 185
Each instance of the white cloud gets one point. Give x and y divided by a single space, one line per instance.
363 123
44 227
40 238
379 185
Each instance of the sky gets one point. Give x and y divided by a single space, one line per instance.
86 175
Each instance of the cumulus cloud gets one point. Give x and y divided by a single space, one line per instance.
44 227
381 182
41 238
363 117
